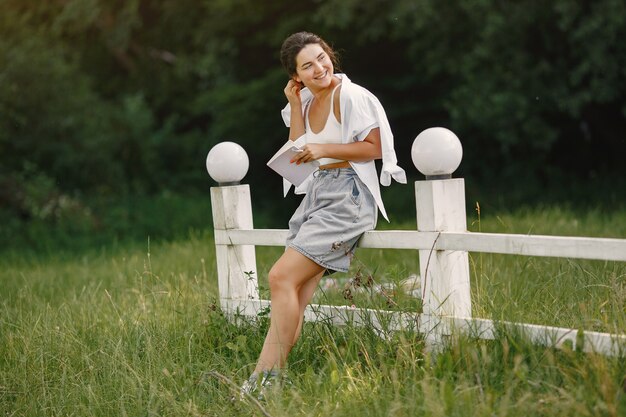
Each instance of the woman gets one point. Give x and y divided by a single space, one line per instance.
343 127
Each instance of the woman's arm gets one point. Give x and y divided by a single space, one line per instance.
366 150
296 125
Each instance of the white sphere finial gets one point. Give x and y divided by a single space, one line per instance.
227 163
437 153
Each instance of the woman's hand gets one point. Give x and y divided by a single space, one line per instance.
310 152
292 92
366 150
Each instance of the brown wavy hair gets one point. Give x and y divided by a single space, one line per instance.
295 43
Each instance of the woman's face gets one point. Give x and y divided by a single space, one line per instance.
314 67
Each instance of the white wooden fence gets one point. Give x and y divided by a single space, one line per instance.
443 243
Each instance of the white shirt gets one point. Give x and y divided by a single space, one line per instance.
360 113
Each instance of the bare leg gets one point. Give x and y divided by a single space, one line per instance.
305 296
287 277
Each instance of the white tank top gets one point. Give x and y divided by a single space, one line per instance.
331 133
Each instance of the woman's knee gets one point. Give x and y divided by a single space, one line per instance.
278 279
291 271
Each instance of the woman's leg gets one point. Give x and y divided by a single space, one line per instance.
286 278
305 296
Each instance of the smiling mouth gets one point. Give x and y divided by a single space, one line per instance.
322 76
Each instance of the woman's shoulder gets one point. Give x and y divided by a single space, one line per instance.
354 92
357 97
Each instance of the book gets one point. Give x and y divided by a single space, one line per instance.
292 172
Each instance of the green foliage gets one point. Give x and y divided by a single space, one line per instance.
69 225
48 109
128 97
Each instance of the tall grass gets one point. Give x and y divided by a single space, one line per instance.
137 330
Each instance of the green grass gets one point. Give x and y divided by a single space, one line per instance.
135 329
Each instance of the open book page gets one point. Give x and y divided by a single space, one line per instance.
292 172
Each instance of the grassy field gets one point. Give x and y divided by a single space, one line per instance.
135 329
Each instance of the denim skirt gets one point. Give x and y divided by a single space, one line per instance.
334 213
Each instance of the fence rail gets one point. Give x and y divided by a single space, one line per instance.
605 249
385 322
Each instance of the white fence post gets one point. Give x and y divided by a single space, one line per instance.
445 273
227 163
236 264
440 206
